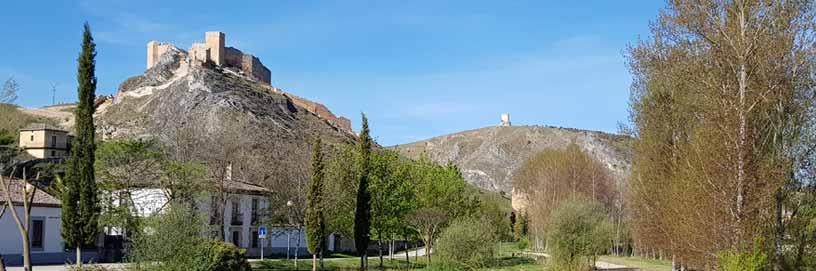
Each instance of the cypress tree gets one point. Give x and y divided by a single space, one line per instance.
79 209
362 215
315 221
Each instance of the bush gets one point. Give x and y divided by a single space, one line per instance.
221 256
579 230
753 260
467 244
523 243
173 241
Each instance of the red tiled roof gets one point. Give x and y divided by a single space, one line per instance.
16 188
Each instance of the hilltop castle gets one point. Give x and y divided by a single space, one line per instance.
213 52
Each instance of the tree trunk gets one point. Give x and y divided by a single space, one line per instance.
288 242
321 260
407 256
297 248
2 264
78 256
314 262
381 253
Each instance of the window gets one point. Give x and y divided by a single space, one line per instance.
53 141
254 211
32 137
53 153
37 233
236 238
237 216
254 239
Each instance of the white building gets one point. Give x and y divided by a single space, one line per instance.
243 214
44 232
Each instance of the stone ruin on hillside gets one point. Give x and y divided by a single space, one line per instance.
213 52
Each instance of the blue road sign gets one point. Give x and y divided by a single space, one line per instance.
262 232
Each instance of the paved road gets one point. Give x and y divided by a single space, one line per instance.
598 264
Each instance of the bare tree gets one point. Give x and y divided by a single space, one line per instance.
8 94
28 193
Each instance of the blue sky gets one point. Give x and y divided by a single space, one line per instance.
418 69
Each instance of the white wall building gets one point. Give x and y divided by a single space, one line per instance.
44 232
243 214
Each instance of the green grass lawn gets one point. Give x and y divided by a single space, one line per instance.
643 264
509 259
338 264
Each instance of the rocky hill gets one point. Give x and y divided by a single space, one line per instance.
173 94
488 157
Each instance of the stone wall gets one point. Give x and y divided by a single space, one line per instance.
248 64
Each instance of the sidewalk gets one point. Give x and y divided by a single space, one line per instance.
598 264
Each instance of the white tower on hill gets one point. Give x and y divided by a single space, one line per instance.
505 120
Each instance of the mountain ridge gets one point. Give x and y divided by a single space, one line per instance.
489 156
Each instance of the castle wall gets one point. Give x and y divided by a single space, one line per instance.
252 65
248 64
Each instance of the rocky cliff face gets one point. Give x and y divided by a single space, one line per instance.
488 157
174 94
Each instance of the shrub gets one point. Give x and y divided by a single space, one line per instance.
579 230
467 244
220 256
172 241
523 243
753 260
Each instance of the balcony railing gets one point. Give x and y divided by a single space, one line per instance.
237 219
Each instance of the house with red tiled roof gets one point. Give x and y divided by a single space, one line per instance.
44 231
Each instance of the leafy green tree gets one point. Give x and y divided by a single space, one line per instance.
467 244
362 215
79 204
722 93
579 231
315 222
392 196
441 196
341 189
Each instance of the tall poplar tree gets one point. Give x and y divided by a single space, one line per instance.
79 208
362 215
315 221
722 92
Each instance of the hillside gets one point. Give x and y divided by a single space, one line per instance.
489 156
173 95
13 118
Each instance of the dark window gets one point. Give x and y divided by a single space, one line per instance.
53 153
236 238
237 216
254 211
37 233
54 141
254 239
32 137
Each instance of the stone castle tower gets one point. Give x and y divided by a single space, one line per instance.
213 51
